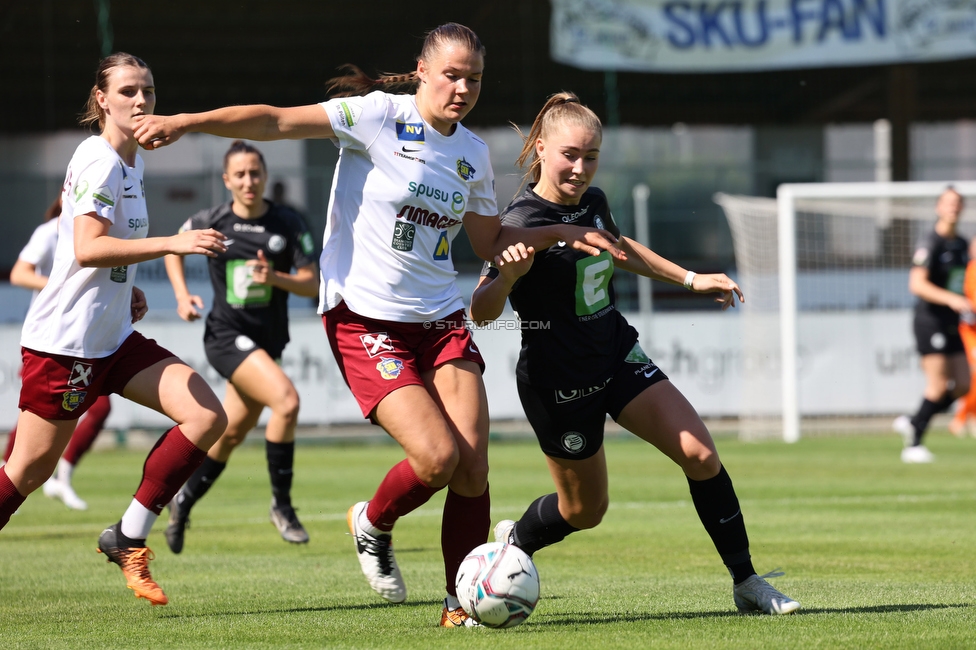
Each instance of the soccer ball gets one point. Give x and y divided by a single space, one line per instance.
498 585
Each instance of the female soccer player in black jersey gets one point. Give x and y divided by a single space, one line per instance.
247 330
587 362
936 279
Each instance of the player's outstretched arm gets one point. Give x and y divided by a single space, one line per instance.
643 261
254 122
489 237
94 248
488 299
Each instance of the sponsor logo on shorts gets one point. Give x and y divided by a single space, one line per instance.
376 343
389 368
410 131
573 442
563 396
73 399
81 374
244 343
938 340
465 170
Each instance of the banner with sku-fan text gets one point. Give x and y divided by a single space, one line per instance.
687 36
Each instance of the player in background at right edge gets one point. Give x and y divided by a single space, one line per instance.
588 363
936 279
965 417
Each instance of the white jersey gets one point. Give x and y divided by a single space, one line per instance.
398 197
86 312
39 251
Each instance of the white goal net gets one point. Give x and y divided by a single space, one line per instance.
826 327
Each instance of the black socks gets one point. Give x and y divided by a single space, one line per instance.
718 509
541 525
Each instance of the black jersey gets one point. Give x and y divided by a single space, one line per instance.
945 258
258 311
572 334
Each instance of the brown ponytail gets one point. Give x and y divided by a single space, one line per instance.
355 82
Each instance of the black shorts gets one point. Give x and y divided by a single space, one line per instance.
569 422
934 335
227 350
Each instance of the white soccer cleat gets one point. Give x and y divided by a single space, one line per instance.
503 531
55 489
903 425
376 558
916 455
756 596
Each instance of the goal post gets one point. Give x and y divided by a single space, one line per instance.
849 246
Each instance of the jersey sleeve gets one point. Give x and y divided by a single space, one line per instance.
922 257
98 189
41 245
357 121
199 221
303 247
482 197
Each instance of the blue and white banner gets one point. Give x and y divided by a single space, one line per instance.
745 35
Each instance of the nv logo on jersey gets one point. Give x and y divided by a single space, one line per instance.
410 131
443 249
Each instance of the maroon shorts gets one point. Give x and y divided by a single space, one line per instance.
58 387
376 357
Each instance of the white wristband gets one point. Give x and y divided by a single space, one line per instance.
689 278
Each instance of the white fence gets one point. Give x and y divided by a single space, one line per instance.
857 363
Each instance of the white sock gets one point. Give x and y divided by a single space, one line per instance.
64 472
368 526
137 521
451 602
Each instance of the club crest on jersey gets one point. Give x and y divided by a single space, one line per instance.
389 368
72 399
410 131
276 244
443 249
376 343
465 170
81 374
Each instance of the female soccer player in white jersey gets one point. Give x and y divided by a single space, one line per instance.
78 341
409 175
31 271
588 364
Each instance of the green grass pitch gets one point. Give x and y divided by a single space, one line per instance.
880 554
